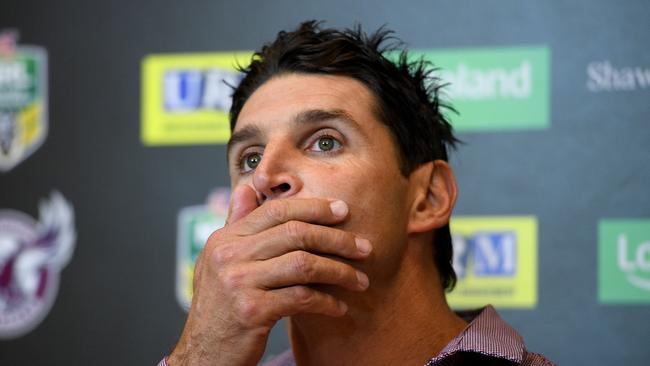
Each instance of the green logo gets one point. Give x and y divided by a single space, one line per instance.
23 100
503 88
195 224
624 261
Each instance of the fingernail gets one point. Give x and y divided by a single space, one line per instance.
339 208
363 280
363 245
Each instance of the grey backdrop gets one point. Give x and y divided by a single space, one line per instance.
116 304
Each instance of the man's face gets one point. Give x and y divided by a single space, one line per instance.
304 135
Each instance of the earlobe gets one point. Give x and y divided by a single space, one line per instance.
435 192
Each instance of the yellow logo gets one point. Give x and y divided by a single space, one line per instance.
495 258
186 97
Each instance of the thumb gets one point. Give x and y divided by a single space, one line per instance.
242 202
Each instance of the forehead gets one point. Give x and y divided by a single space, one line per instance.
286 95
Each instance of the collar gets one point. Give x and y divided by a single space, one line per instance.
487 334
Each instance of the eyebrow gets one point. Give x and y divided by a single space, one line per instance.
246 133
321 115
311 116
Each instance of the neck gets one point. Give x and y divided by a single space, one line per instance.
403 321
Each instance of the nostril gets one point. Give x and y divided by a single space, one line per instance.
281 188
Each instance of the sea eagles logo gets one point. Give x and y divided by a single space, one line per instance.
32 253
23 100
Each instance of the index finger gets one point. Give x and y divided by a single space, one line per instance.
311 210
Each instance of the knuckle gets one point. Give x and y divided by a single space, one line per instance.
247 310
303 296
277 211
215 236
295 230
349 275
222 254
343 274
232 279
343 238
303 265
322 208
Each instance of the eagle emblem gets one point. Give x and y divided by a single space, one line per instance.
32 254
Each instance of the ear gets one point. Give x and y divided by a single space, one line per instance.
434 192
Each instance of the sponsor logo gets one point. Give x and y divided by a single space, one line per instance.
195 224
602 76
23 100
186 97
624 261
504 88
495 259
32 254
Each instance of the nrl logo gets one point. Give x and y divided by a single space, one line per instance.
32 253
195 224
23 100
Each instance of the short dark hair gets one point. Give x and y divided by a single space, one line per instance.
406 92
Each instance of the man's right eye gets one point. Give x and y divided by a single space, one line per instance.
249 162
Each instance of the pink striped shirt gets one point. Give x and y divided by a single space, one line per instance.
486 340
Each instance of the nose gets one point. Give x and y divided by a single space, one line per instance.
276 175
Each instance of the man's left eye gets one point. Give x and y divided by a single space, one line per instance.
326 143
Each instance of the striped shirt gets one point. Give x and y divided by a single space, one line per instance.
487 340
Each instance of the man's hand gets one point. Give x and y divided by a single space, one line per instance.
258 269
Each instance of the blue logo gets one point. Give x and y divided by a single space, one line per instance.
193 89
183 90
492 254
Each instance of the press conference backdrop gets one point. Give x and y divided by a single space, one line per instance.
113 171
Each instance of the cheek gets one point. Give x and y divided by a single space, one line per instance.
375 195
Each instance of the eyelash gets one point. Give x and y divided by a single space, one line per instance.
241 164
322 135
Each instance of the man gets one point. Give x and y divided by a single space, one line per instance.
339 217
